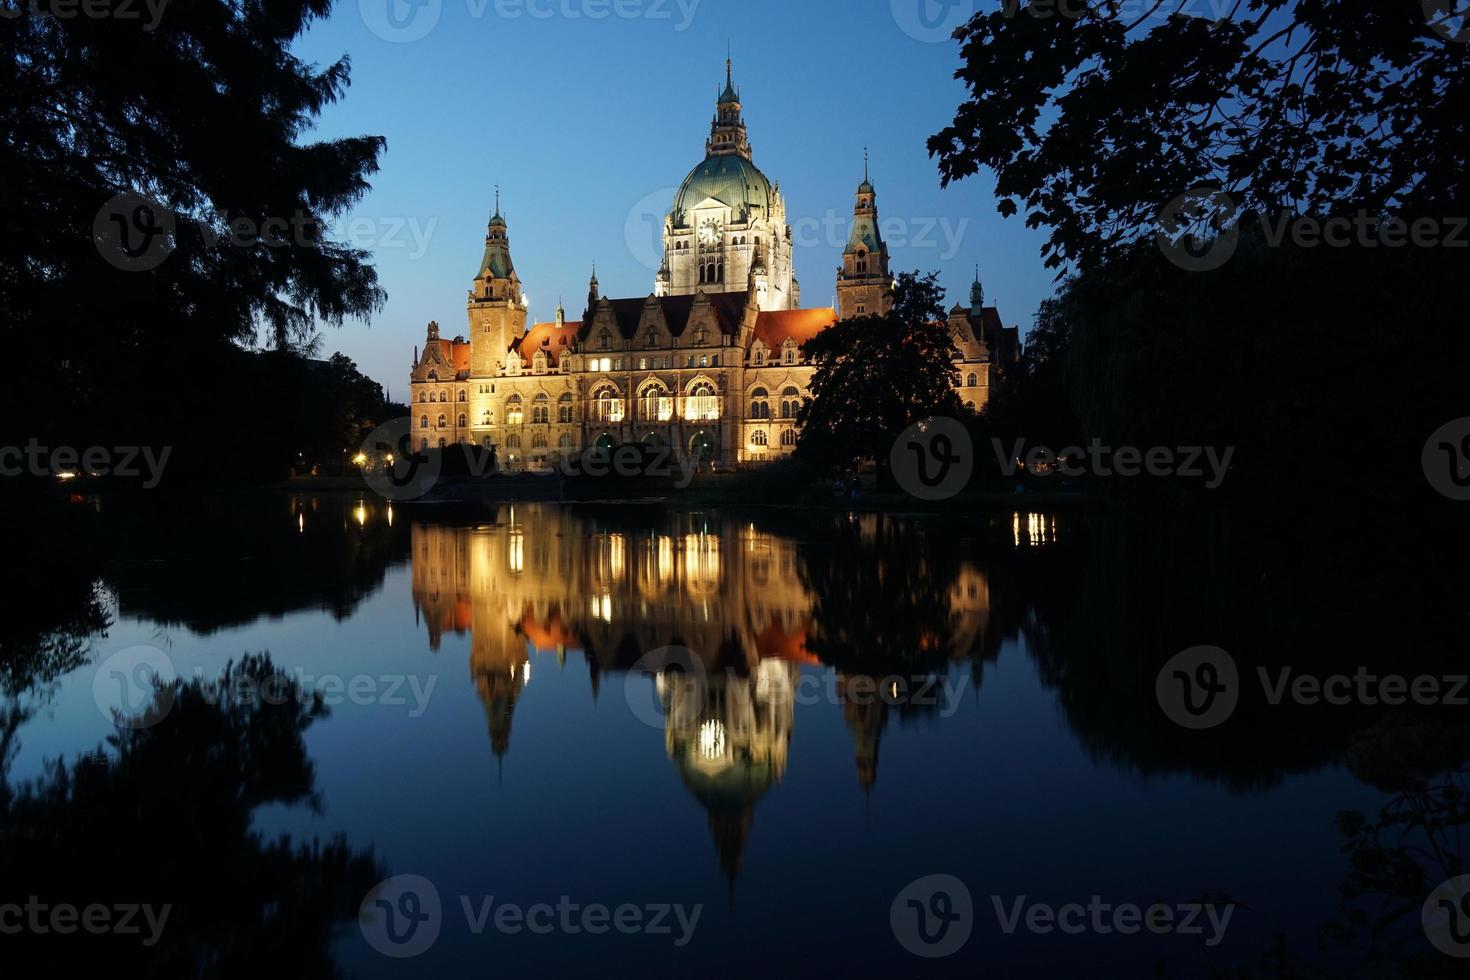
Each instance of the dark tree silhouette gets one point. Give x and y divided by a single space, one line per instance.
1093 122
876 375
201 118
163 817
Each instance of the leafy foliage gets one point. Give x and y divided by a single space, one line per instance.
203 114
1093 122
876 375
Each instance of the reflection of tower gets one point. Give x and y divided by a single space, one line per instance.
866 714
728 736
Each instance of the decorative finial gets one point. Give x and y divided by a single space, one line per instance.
865 164
497 198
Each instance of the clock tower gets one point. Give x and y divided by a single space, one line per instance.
497 311
728 219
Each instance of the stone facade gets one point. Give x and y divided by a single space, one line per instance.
709 362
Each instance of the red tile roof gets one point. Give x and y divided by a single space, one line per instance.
775 326
550 338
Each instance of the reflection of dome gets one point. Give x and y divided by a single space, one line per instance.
730 179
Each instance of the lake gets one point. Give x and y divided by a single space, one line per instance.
554 739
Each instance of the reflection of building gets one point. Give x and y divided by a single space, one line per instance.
728 734
544 579
708 362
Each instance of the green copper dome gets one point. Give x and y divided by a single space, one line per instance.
730 179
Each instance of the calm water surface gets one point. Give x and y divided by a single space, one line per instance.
497 724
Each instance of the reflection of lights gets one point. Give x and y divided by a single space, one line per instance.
526 672
665 559
1040 529
66 475
301 522
360 512
360 458
712 740
390 515
517 555
701 561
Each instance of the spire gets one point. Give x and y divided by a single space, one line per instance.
729 95
977 293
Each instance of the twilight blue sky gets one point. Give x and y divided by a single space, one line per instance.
589 113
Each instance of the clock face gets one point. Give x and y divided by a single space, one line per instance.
709 231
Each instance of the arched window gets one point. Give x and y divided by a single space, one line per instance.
655 405
423 421
514 414
564 408
443 420
464 395
759 438
486 418
760 407
790 402
444 396
423 397
607 406
538 441
758 358
702 402
564 441
788 437
512 441
541 409
464 420
971 381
